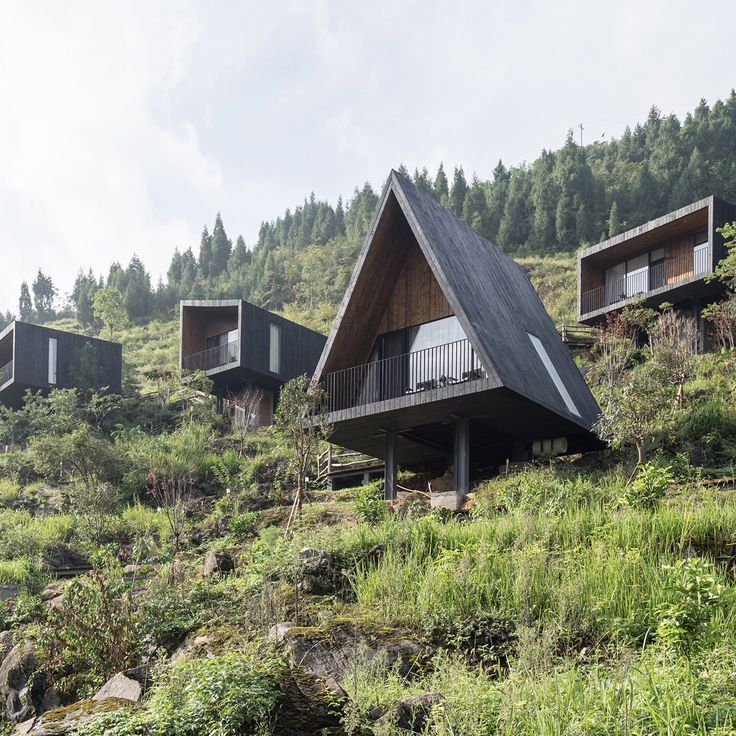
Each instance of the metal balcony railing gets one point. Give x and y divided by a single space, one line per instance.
6 372
665 273
212 358
401 375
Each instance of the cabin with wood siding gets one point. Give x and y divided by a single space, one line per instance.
245 350
663 260
442 355
37 358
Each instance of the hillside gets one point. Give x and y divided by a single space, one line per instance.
565 601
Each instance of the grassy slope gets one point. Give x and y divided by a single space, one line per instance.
547 608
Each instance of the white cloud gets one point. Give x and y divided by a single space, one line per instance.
124 127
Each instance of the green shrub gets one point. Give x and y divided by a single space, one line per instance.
230 695
686 622
369 504
10 491
244 525
648 487
95 634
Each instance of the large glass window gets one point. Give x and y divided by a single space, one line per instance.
553 374
418 358
274 353
52 361
439 332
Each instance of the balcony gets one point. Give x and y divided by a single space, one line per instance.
402 375
217 357
668 272
6 373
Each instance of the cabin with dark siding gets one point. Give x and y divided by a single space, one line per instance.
243 347
442 354
663 260
42 358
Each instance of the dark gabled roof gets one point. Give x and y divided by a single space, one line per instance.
492 298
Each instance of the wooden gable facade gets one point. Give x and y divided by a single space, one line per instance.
499 381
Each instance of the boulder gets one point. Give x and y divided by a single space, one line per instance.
6 644
217 562
199 646
72 717
62 562
53 590
317 571
120 686
278 632
23 690
411 714
329 653
7 592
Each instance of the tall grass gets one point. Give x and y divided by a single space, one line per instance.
593 575
647 695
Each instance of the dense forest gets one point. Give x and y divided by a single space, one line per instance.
565 198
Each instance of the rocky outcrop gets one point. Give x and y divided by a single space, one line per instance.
23 689
411 714
331 653
217 563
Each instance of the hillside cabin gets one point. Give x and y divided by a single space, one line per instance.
664 260
442 358
246 351
39 358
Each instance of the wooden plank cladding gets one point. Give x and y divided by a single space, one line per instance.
417 296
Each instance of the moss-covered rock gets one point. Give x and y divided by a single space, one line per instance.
330 652
72 717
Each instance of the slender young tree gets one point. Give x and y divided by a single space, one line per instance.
301 422
25 305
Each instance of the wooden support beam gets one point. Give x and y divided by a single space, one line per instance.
461 458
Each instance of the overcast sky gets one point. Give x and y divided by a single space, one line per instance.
125 126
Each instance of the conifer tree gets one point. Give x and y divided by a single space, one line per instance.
457 192
205 253
441 189
614 223
220 248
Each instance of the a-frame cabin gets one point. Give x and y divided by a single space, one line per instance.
442 354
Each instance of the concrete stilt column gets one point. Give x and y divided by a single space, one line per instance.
389 490
461 456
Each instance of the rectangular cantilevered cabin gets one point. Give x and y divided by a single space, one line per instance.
664 260
442 353
243 347
37 358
